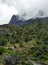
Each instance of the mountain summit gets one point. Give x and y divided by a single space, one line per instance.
16 19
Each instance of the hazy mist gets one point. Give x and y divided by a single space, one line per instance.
25 8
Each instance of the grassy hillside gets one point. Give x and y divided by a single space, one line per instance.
30 42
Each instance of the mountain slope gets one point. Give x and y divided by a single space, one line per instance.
32 39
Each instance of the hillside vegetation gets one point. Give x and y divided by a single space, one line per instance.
30 42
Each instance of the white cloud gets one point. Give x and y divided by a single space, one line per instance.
6 13
28 7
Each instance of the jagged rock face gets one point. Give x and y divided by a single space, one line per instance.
16 19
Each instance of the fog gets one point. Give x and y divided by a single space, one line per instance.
24 8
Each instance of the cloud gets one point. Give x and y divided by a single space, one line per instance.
25 8
6 12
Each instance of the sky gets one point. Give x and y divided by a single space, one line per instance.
24 8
